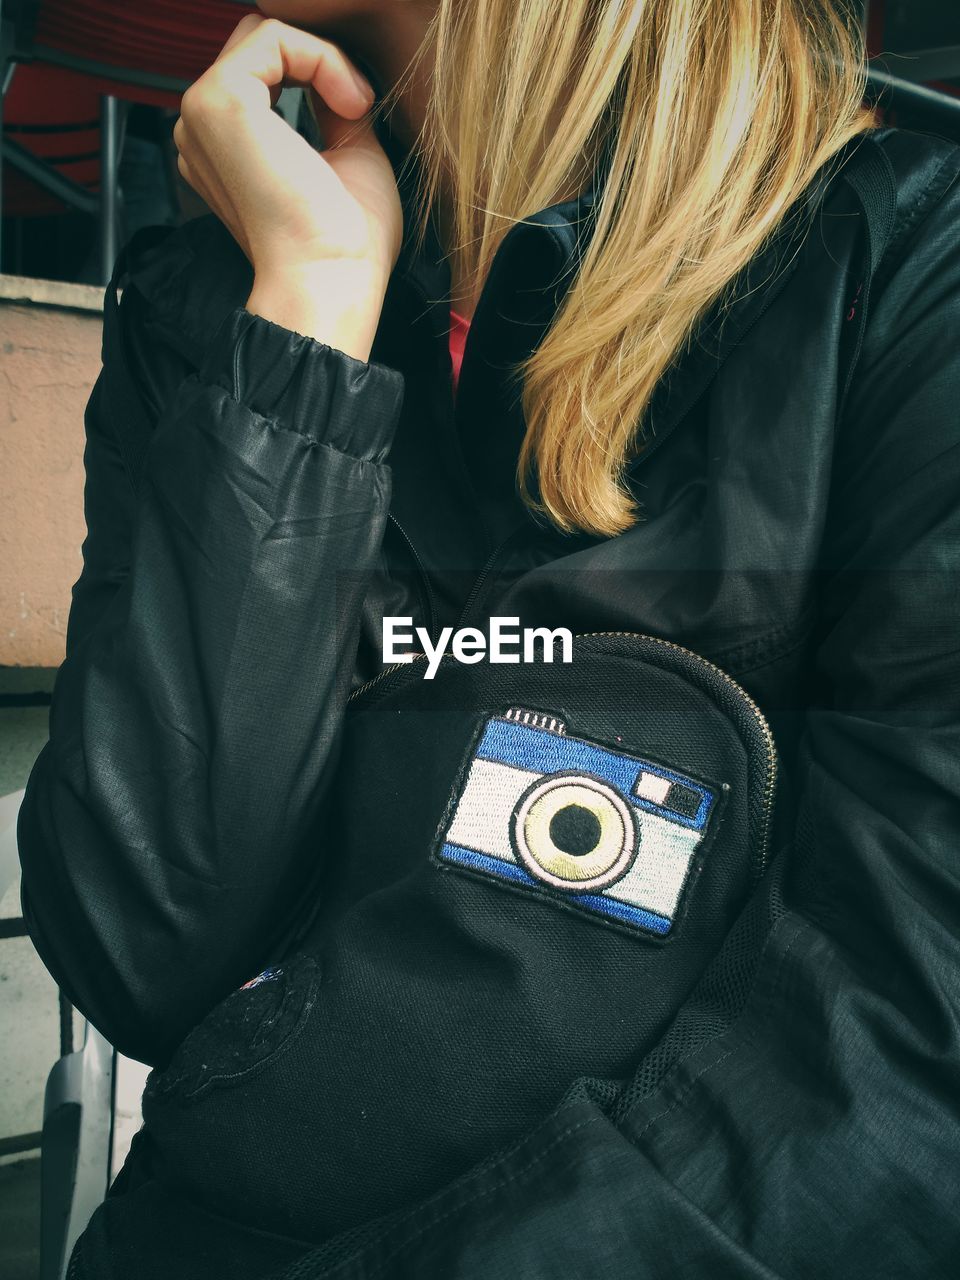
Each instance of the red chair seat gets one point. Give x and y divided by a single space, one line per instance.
172 40
55 114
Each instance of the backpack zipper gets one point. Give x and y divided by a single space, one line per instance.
480 581
717 676
771 761
431 609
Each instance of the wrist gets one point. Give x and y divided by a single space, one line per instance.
336 302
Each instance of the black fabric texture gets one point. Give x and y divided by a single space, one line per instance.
302 385
452 1077
400 936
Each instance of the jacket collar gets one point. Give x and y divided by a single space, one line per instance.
530 274
425 269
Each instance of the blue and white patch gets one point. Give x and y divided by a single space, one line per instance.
610 833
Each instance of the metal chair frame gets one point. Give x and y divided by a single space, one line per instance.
78 1112
17 44
17 21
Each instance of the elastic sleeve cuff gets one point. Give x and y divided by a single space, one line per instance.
304 385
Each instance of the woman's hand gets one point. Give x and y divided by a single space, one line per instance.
322 230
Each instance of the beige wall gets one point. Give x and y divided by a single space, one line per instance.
49 360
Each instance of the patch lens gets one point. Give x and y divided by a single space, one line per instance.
575 833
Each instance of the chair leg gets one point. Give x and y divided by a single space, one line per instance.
109 191
75 1169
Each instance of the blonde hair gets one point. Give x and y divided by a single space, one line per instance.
713 117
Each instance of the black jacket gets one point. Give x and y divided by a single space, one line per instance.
449 1076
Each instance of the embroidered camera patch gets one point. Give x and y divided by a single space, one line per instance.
610 833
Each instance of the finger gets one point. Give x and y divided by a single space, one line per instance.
277 54
335 131
186 172
243 28
192 175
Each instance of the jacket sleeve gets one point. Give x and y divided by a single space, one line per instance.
821 1135
170 820
802 1116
